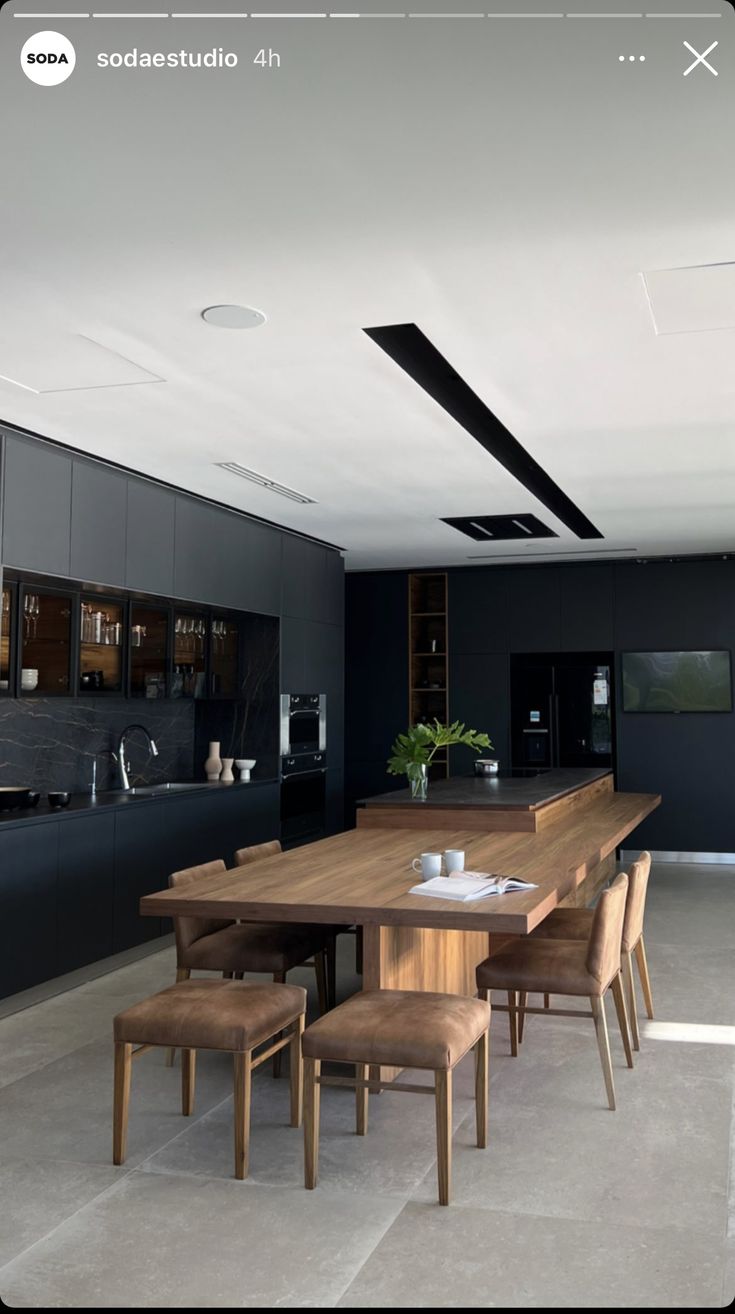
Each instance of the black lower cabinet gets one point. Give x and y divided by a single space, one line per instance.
28 904
84 899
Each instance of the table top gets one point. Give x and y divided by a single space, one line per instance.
364 876
526 793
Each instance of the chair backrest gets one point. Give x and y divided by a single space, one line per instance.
189 929
257 851
636 902
603 949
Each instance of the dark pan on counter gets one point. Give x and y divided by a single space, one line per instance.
15 796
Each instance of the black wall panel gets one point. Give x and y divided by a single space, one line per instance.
587 608
534 610
479 695
478 610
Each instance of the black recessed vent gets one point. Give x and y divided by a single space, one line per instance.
499 529
412 350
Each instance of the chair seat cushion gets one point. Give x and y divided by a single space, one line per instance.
254 947
566 924
403 1028
555 967
229 1015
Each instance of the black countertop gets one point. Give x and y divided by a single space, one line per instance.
494 791
117 798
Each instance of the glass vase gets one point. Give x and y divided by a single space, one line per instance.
418 778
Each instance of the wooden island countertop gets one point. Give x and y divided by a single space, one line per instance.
509 803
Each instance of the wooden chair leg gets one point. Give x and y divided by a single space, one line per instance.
640 957
182 974
279 979
332 972
603 1044
513 1021
620 1009
121 1100
482 1054
361 1099
443 1101
243 1081
322 988
312 1097
627 969
523 1000
188 1079
296 1073
547 1001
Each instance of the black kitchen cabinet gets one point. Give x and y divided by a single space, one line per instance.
209 557
28 906
335 802
587 608
304 578
534 610
149 549
478 610
85 881
99 501
145 838
312 661
36 506
260 571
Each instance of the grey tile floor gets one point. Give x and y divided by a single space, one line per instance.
570 1205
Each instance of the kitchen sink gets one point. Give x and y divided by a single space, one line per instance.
168 787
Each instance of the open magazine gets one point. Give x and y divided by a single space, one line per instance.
470 885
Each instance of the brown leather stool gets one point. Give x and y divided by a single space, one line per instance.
568 967
576 924
233 1016
216 945
403 1029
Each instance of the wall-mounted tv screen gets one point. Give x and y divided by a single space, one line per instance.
677 682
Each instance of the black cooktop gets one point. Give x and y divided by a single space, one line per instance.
523 773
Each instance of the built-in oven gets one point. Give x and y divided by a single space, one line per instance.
303 797
303 724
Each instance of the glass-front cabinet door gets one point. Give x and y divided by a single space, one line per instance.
149 628
46 620
101 646
224 661
190 654
7 635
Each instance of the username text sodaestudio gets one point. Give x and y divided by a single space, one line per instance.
214 58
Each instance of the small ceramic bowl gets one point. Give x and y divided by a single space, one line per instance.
59 798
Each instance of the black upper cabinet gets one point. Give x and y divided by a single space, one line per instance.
225 559
99 501
334 592
586 608
534 610
309 586
149 550
674 604
477 607
36 507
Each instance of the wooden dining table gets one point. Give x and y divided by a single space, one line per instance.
363 877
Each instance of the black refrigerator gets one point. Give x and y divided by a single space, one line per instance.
562 710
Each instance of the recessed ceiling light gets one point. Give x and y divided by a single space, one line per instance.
234 317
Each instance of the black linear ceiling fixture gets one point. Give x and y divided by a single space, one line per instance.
500 529
412 350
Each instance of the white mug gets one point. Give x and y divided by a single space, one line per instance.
454 859
430 864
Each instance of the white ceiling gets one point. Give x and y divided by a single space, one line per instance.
502 184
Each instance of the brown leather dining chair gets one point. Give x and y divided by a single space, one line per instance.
233 948
568 967
576 924
255 853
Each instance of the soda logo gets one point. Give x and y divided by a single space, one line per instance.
48 58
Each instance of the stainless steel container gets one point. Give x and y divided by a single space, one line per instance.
486 766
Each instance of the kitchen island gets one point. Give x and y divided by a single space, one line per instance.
525 803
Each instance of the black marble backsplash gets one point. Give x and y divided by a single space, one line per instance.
50 743
248 727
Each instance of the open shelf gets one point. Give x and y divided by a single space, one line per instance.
427 654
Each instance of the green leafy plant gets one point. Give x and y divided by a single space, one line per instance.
420 742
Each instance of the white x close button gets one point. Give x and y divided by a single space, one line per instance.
701 59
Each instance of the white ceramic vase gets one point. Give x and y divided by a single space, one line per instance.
226 773
213 764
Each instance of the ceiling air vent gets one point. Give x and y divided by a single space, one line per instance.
262 482
499 529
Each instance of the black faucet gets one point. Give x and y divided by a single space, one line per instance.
122 765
